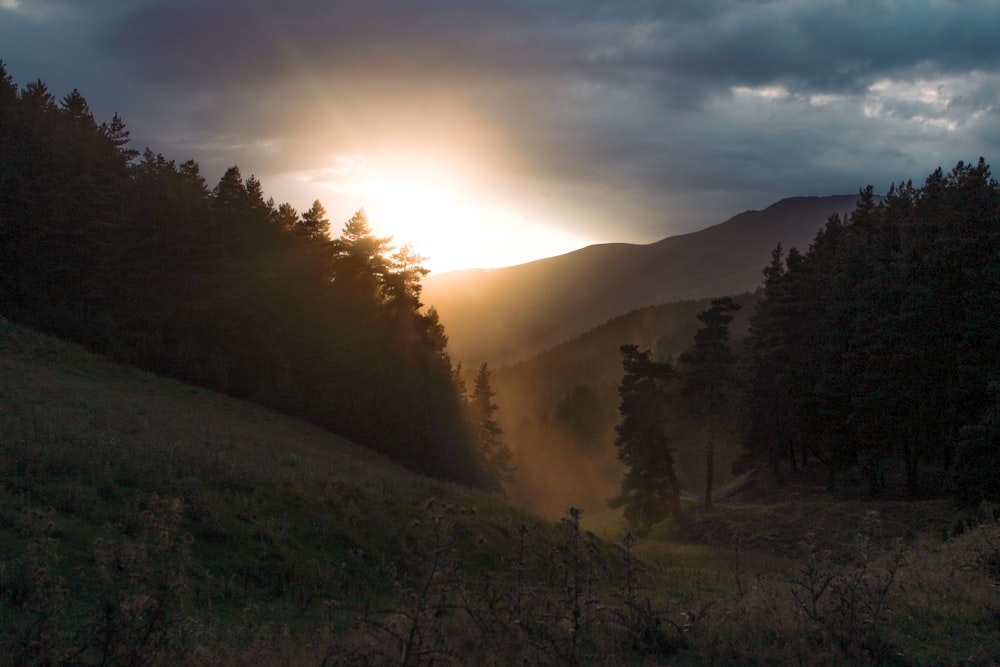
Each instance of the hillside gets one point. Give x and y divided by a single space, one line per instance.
593 357
504 315
137 257
144 521
548 430
227 517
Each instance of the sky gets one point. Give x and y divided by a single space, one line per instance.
490 133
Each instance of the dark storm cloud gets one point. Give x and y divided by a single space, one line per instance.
691 110
829 46
248 41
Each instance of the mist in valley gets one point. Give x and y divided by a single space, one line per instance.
559 409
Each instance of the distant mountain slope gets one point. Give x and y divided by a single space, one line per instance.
503 315
529 393
533 385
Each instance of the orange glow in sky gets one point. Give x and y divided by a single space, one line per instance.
446 216
456 232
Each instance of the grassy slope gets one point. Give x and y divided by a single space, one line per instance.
284 516
739 567
80 435
942 606
756 516
286 520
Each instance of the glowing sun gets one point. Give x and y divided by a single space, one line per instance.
456 230
447 214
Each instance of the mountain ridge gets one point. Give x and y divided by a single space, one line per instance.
504 315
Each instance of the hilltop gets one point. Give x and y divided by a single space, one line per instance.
505 315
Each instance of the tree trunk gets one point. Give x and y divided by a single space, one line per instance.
709 474
911 456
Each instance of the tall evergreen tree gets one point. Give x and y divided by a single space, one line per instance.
496 456
286 217
976 475
708 378
314 223
825 406
878 346
359 262
766 430
459 384
650 490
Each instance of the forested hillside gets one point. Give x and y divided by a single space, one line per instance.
878 350
873 355
136 257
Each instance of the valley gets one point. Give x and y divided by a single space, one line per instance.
260 539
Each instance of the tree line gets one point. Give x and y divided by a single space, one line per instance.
135 256
873 353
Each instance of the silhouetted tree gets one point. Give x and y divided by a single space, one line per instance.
437 340
650 491
765 429
286 217
495 454
359 262
458 382
708 378
314 224
824 399
977 457
877 347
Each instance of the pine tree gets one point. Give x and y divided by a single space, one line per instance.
496 456
877 347
765 425
458 383
314 224
825 407
359 261
230 191
286 217
650 490
708 377
976 475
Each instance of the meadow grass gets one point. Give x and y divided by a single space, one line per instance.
144 521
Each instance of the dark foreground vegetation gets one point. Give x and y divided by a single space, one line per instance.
153 523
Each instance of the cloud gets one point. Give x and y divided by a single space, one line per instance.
625 120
